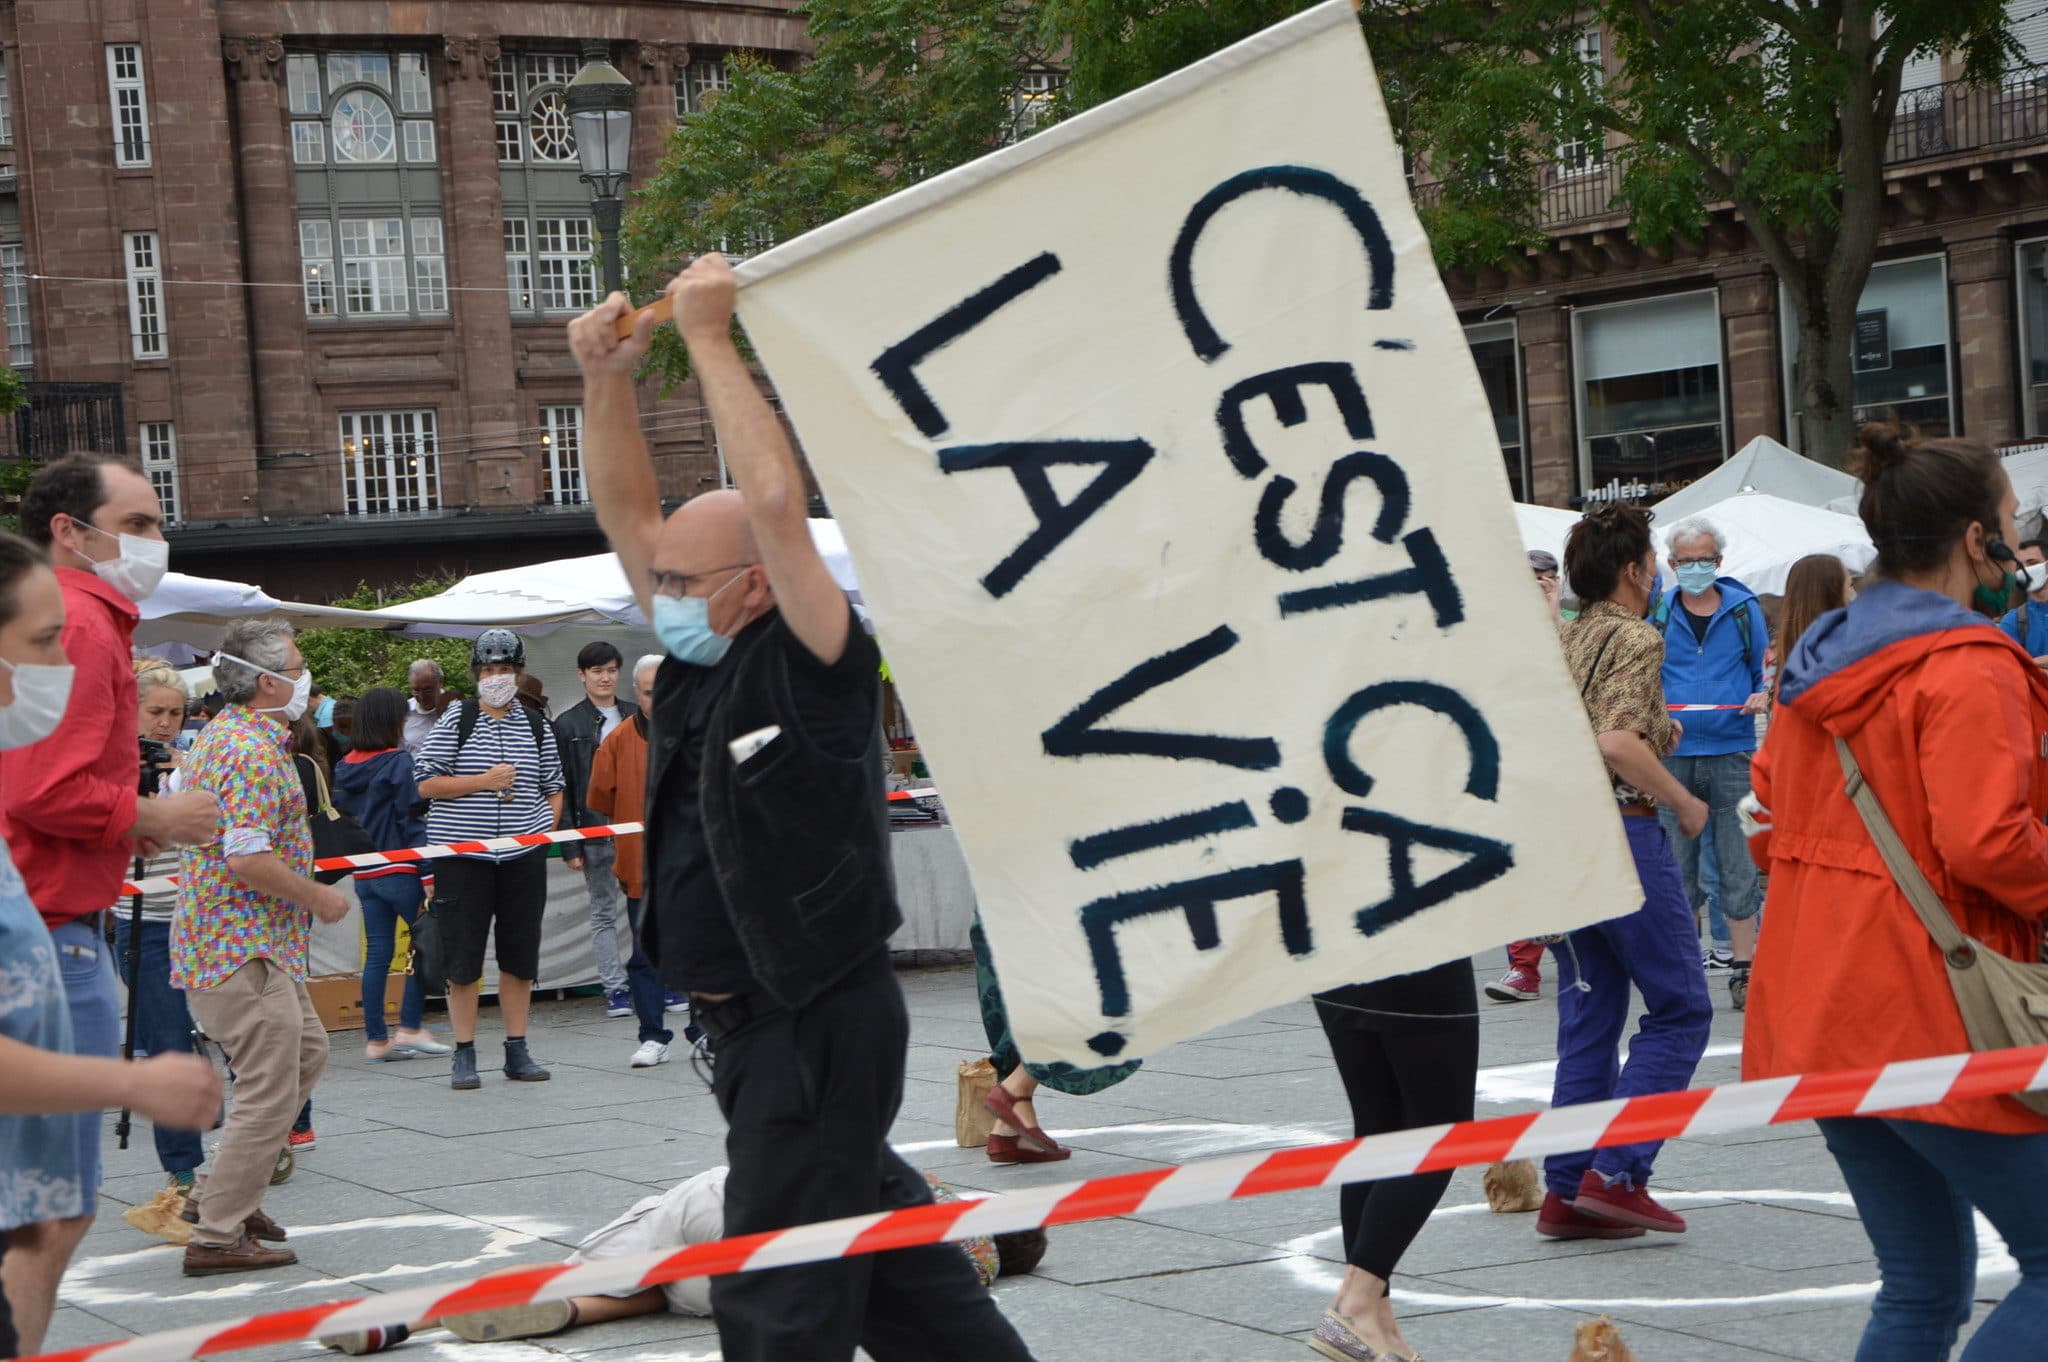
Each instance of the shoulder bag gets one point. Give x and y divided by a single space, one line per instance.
2003 1001
334 832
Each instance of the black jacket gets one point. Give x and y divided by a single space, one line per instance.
577 733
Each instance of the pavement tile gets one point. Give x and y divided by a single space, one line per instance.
563 1204
1063 1323
1116 1250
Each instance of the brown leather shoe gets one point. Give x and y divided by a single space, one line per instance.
256 1225
202 1260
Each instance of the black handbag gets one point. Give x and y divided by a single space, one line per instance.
334 832
429 954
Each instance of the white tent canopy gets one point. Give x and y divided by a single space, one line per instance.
1762 465
1767 534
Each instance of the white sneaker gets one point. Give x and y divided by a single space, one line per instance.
650 1053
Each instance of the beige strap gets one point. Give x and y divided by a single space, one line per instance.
1906 872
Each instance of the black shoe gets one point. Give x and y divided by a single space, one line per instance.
520 1066
463 1076
1738 989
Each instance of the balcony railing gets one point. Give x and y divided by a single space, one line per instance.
1936 120
66 418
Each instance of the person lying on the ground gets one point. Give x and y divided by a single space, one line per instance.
691 1212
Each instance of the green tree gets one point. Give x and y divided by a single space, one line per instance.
895 91
350 661
1782 109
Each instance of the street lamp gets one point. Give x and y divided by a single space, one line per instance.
600 104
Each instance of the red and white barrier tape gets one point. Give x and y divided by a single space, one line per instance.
1688 709
368 859
1660 1116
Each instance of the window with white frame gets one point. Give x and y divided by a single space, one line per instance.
6 108
1031 102
160 463
316 265
387 266
548 265
390 462
1577 156
561 434
14 294
352 109
145 294
130 102
527 102
700 85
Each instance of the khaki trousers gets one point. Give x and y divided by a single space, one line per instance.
277 1048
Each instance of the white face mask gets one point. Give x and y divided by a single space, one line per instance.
140 567
302 689
40 694
498 691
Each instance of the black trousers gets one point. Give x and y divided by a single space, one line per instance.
808 1098
1418 1068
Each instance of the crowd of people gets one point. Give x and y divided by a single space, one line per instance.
758 903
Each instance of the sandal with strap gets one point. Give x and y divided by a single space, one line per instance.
1004 1108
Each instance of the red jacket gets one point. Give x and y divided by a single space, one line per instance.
68 802
1947 717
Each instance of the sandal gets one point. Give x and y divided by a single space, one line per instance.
1010 1149
1004 1108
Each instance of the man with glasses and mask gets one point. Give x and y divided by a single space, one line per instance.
767 853
1714 640
69 805
242 933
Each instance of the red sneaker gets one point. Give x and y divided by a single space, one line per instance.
1557 1220
299 1141
1518 985
1625 1205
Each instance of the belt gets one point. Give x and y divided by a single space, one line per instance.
1638 810
727 1016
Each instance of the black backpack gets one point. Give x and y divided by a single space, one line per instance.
473 709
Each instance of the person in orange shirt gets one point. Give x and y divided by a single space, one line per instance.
618 794
1945 716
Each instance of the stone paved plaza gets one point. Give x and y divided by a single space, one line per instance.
413 1184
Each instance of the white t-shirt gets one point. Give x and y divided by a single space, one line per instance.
418 724
607 720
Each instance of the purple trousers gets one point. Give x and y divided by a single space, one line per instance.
1655 948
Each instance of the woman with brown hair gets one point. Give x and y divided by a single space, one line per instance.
1942 715
1818 583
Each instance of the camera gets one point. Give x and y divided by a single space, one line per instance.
157 758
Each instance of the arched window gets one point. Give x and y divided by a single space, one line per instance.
547 126
363 128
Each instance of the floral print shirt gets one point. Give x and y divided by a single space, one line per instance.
221 923
1617 659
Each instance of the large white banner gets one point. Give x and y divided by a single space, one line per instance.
1179 507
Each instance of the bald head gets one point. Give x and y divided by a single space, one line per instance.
706 534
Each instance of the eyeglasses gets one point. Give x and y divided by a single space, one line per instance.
678 583
1714 561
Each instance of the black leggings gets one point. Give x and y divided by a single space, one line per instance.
1400 1072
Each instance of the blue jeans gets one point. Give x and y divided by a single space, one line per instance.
1656 949
1710 885
388 900
1720 782
649 1000
1915 1185
163 1026
93 995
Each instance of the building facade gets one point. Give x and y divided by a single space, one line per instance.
1620 371
310 265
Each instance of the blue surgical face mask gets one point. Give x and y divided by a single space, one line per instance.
683 624
1696 579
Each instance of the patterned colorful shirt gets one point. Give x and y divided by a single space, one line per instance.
223 924
1617 659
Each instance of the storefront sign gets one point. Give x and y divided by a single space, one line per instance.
1873 342
1178 504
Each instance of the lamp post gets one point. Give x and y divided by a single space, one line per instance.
600 104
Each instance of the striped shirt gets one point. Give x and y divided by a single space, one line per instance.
489 813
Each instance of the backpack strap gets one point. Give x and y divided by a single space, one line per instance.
466 723
1742 627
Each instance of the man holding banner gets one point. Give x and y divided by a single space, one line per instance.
767 857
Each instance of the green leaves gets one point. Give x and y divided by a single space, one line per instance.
350 661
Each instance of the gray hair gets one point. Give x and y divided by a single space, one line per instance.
650 660
265 641
1698 527
429 664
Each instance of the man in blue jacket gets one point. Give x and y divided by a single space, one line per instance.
1714 640
2029 623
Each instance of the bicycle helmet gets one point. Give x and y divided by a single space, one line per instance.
496 645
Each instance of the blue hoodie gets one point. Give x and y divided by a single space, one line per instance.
1883 613
381 791
1721 669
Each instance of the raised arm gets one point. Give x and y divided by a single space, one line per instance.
616 465
758 452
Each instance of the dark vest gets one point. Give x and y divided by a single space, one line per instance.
798 838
